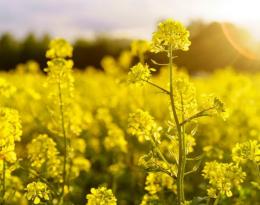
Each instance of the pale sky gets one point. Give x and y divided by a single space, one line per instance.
127 18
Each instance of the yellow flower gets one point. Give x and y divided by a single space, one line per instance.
79 164
139 74
43 152
59 48
170 33
142 125
222 178
37 192
156 182
249 150
150 199
10 132
6 89
115 139
101 196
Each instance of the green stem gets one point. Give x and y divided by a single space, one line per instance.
197 115
157 86
64 141
3 183
183 149
217 200
181 161
162 156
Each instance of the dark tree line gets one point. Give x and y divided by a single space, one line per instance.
86 52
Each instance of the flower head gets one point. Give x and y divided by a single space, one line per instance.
170 33
10 132
249 150
59 48
43 152
155 182
37 192
142 125
222 178
139 74
150 199
101 196
6 89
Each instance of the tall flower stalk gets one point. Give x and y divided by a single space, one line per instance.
61 80
10 129
169 37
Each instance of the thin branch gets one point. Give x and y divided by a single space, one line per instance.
197 115
156 63
157 86
195 158
160 154
190 172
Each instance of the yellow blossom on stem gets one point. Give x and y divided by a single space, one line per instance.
37 192
223 177
170 33
101 196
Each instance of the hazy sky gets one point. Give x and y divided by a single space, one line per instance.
133 18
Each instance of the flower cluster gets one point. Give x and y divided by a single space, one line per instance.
249 150
172 34
61 83
79 163
139 73
222 178
150 200
59 48
115 139
101 196
30 67
10 132
44 155
184 95
142 125
155 182
37 192
6 89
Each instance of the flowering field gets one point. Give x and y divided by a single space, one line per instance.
129 134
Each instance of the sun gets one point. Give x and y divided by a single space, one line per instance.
240 12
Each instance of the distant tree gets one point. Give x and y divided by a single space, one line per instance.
9 51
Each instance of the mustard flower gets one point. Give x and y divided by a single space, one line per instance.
6 89
150 199
139 73
249 150
79 164
184 95
59 48
223 177
172 34
115 139
37 192
142 125
156 182
10 132
101 196
43 152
